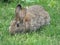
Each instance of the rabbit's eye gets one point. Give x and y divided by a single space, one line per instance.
17 25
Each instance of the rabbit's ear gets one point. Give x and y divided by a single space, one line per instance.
18 8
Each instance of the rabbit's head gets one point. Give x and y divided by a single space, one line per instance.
19 24
16 27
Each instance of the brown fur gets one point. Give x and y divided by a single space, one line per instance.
29 19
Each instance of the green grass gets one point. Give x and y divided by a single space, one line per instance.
47 35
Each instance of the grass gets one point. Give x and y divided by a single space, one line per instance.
47 35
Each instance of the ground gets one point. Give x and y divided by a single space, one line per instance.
46 35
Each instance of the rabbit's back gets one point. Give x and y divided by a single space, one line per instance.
37 10
38 16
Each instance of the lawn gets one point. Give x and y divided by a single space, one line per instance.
46 35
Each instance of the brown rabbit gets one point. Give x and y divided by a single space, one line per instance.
29 19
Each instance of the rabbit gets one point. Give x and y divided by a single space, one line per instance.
29 19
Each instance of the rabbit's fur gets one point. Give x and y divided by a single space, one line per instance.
29 19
